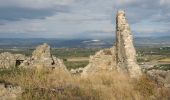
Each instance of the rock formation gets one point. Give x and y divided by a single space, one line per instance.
42 58
102 60
160 76
122 57
125 51
10 60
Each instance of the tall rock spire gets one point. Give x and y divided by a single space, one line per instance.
125 51
121 57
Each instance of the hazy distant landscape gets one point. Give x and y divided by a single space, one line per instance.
148 48
80 43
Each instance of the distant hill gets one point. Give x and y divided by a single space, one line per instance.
80 43
153 41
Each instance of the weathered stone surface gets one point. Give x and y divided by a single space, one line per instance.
9 92
160 76
102 60
125 51
122 57
42 55
42 58
8 60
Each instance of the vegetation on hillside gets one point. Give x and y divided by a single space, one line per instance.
59 85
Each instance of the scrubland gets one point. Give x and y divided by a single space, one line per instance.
60 85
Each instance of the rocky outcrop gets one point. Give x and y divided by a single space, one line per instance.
42 55
42 58
9 92
125 51
160 76
122 57
8 60
102 60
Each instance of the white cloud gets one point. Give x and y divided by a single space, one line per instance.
162 2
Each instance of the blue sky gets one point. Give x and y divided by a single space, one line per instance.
81 18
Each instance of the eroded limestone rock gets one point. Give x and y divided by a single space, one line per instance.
8 60
125 51
42 58
42 55
122 57
160 76
102 60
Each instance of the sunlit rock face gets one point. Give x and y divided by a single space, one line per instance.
102 60
8 60
125 51
42 58
160 76
42 55
122 57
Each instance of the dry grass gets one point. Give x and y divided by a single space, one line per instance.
59 85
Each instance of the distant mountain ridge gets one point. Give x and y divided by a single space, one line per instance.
80 43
